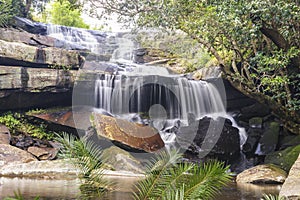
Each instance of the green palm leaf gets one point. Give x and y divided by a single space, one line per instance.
88 159
167 178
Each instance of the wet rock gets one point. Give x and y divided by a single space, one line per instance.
255 110
256 122
121 160
57 169
262 174
269 139
16 54
10 154
253 138
4 135
127 134
30 26
284 158
217 138
291 187
43 153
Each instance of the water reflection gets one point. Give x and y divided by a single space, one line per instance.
69 189
247 191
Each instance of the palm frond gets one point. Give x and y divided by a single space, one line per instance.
167 178
206 180
87 157
272 197
157 175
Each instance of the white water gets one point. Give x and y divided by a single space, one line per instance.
139 87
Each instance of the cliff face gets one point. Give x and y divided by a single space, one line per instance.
34 71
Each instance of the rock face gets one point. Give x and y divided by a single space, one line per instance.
285 158
15 53
9 154
58 169
127 134
120 160
262 174
218 138
291 187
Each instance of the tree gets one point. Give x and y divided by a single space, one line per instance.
9 9
257 42
63 13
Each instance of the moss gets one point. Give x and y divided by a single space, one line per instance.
285 158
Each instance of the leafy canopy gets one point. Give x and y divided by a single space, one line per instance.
64 13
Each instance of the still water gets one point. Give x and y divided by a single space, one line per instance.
69 189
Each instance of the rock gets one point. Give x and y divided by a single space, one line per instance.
262 174
254 135
255 110
4 135
19 54
43 153
10 154
207 73
291 187
36 79
127 134
256 122
216 138
15 35
284 158
57 169
120 160
22 87
269 139
30 26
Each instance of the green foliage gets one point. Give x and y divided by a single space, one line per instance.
166 178
257 43
64 13
16 122
9 9
272 197
88 159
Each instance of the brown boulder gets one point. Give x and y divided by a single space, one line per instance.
10 154
267 173
43 153
4 135
129 134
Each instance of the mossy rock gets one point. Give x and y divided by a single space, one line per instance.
285 158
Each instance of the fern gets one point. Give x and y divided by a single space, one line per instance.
88 159
168 179
272 197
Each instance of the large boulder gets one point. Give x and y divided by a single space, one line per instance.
284 158
126 134
121 160
20 54
262 174
217 138
10 154
291 187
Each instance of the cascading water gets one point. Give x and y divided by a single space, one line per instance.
137 88
121 94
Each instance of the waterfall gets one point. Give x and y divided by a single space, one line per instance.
121 94
139 88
